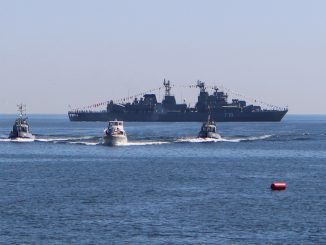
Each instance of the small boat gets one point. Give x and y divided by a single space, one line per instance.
20 129
208 130
114 134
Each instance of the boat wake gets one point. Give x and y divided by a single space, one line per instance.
142 143
19 140
85 143
84 140
226 139
62 138
93 141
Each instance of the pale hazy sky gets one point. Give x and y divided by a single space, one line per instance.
59 52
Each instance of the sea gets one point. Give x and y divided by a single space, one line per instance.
165 186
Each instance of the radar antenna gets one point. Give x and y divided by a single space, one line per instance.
216 89
167 87
22 109
201 85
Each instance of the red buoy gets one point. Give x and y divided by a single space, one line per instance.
278 186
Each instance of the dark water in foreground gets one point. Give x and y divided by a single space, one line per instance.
165 186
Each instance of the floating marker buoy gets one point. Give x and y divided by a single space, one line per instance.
278 186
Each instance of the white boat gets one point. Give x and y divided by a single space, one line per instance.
115 134
20 129
209 130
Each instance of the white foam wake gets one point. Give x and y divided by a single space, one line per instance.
19 140
140 143
83 140
85 143
197 140
228 139
52 139
58 139
263 137
5 140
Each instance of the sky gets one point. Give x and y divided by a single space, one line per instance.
57 53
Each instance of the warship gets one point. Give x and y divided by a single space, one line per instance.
149 109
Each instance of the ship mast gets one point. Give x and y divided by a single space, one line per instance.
21 109
201 86
167 88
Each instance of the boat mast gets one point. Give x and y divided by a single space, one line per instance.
21 109
216 89
201 86
167 87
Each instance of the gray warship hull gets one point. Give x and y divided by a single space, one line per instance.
260 116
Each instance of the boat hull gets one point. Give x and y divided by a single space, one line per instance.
260 116
21 135
209 135
110 140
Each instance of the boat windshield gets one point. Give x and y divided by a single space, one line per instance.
115 123
209 129
22 129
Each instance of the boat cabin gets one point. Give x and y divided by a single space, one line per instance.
20 126
115 128
208 128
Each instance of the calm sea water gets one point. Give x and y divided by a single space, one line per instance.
164 186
